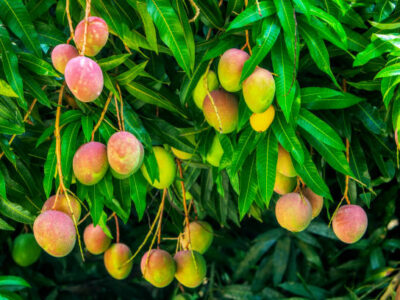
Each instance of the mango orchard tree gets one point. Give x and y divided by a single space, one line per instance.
185 149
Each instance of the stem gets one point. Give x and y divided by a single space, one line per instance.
197 9
87 13
391 288
117 109
103 113
84 218
116 228
346 189
122 107
184 201
161 217
71 27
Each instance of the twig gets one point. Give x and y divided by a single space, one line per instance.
84 218
391 288
116 228
122 107
111 216
184 200
161 217
87 12
103 113
71 27
117 112
197 9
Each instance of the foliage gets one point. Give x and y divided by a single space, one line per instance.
337 74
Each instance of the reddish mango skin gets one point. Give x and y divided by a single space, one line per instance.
55 232
62 205
293 212
90 163
186 272
283 184
316 201
201 236
84 78
97 35
61 55
259 90
115 257
230 69
350 223
227 108
96 241
125 153
160 269
285 164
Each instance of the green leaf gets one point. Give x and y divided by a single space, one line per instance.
285 12
96 202
35 89
269 34
189 83
304 6
49 34
106 186
5 226
5 147
234 6
281 258
319 129
287 137
87 127
134 124
392 70
370 117
68 148
10 118
267 157
171 32
149 29
310 254
13 283
113 61
247 185
251 14
384 8
358 162
138 193
10 65
187 30
128 76
373 50
324 98
16 16
210 10
6 89
218 47
15 212
37 65
246 144
385 26
2 186
285 81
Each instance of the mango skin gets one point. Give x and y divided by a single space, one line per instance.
97 35
226 105
293 212
55 232
200 92
96 241
166 169
201 236
25 250
160 268
115 257
125 153
186 272
62 205
285 164
316 201
284 184
259 90
61 55
215 153
84 78
350 223
90 163
230 69
260 122
182 154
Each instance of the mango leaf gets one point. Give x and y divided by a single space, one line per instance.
138 193
373 50
247 185
17 18
392 70
87 127
285 12
281 258
267 157
6 89
130 75
5 147
149 29
189 83
210 10
69 146
2 186
370 117
10 118
171 32
49 34
134 124
325 98
269 33
96 202
33 86
12 283
234 6
218 46
113 61
251 14
37 65
358 163
246 144
383 9
5 226
15 212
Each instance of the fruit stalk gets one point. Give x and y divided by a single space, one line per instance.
184 199
103 113
87 13
71 27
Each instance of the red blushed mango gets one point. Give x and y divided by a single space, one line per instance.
114 261
284 184
62 205
350 223
96 241
230 69
55 232
97 35
285 164
61 55
259 90
84 78
125 154
90 163
159 269
186 272
200 92
293 212
201 236
223 113
316 201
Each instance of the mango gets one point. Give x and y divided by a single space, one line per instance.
62 205
200 92
182 154
260 122
25 250
96 241
230 69
283 184
186 272
61 55
215 153
285 164
159 269
115 258
350 223
97 35
201 236
259 90
316 201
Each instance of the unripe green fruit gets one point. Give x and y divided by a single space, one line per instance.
159 269
62 205
316 201
186 272
25 250
96 36
96 241
284 185
259 90
215 153
115 258
55 232
285 164
350 223
201 236
182 154
223 113
230 69
184 297
166 169
293 212
200 92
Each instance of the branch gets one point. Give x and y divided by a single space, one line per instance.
103 113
